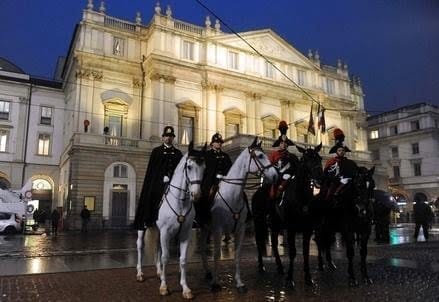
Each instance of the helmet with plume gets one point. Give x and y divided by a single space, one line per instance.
339 141
283 127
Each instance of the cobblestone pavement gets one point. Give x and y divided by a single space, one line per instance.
401 272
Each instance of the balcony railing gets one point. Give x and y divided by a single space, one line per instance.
90 139
119 24
180 25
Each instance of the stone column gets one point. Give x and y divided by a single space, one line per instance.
250 108
219 110
211 113
258 121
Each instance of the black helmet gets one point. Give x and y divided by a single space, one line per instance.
217 138
168 131
283 127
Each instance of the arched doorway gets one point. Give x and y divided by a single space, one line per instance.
42 194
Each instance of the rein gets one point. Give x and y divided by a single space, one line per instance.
242 181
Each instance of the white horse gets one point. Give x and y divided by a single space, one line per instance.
176 215
229 210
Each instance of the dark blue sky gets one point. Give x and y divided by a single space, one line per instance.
393 45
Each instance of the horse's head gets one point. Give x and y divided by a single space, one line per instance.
312 163
194 170
363 181
259 162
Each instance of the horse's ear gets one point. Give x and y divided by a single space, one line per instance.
372 170
318 148
204 147
191 146
255 141
301 150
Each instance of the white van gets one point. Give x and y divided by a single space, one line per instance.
12 202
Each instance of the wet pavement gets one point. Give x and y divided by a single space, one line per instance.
100 267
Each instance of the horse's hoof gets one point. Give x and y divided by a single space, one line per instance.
353 282
140 278
290 284
188 295
261 268
164 291
242 289
208 276
367 281
215 288
309 281
331 265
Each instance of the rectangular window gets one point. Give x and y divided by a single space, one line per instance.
232 129
375 154
4 110
330 86
414 125
187 130
46 116
395 153
120 171
269 70
118 46
393 130
415 148
396 171
374 134
301 77
3 140
233 60
417 169
43 144
188 50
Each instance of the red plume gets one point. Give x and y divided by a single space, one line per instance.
338 135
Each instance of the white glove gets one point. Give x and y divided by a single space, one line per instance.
165 179
344 180
286 176
219 176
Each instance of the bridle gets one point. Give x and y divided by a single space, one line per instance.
242 181
188 182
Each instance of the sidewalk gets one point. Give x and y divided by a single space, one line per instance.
419 282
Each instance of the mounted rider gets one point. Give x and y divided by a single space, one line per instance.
162 163
218 164
339 170
282 160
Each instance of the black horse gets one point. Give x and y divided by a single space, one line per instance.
349 211
292 211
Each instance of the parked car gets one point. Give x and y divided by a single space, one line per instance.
10 222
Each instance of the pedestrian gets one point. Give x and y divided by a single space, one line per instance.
218 164
35 216
162 163
85 218
55 219
423 217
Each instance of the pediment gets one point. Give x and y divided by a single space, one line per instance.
269 44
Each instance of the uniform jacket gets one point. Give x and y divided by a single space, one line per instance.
281 158
217 162
162 162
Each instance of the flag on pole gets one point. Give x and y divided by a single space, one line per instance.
311 127
321 124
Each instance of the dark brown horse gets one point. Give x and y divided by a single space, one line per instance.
292 211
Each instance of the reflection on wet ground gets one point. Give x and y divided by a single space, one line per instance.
76 252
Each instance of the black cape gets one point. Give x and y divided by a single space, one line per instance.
217 162
162 162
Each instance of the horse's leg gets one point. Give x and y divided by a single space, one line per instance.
364 238
140 247
305 246
349 240
216 257
239 238
184 244
292 256
275 249
260 236
164 242
203 247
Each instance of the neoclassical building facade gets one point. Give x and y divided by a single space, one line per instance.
124 81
